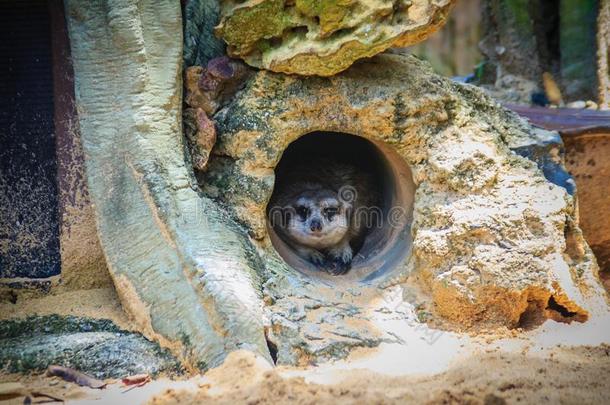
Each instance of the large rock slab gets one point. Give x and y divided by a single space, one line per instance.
309 37
493 240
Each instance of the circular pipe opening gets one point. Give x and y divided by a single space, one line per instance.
373 188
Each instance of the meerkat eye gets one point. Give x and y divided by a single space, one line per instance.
330 212
302 211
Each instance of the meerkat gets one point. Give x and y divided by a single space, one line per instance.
319 202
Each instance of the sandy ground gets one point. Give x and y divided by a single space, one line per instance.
575 375
101 303
553 363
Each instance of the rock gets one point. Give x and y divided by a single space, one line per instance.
591 105
200 44
492 238
580 104
208 87
546 148
92 346
323 38
489 230
512 89
201 136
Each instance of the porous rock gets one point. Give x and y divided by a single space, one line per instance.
208 87
200 135
322 38
492 237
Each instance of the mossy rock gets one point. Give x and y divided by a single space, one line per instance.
312 37
94 346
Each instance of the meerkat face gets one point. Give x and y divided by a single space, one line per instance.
319 220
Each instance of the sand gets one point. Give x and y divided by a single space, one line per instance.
100 303
553 363
570 375
565 375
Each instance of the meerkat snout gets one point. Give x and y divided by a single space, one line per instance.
315 225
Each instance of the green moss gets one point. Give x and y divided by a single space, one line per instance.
248 25
53 324
330 12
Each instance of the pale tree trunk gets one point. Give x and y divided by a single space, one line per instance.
163 242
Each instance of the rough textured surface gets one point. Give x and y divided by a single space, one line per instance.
587 160
82 259
310 37
211 86
200 44
181 267
29 221
546 149
201 136
570 375
95 347
492 238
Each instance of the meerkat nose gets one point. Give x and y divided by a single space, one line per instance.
315 225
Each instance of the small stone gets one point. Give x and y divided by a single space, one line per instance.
591 105
580 104
201 135
208 88
208 82
221 68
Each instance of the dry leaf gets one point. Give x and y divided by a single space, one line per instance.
74 376
136 379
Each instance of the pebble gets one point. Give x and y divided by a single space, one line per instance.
591 105
580 104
